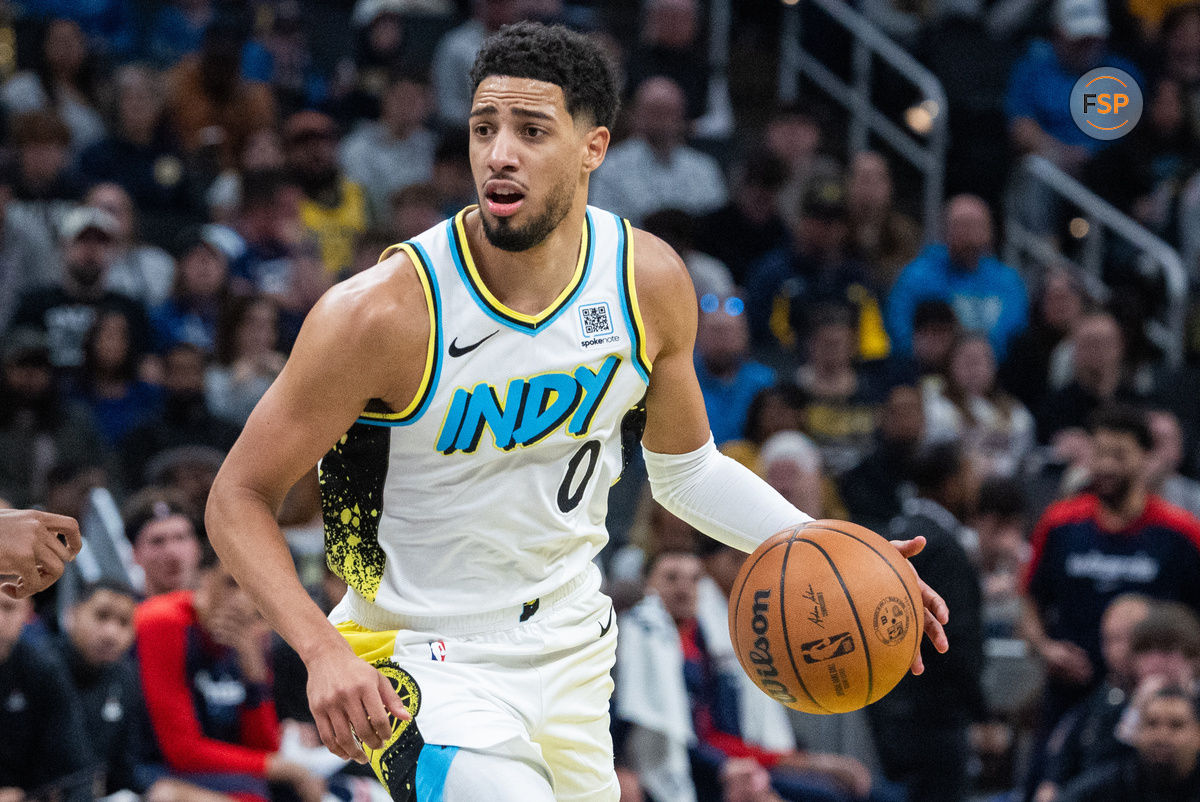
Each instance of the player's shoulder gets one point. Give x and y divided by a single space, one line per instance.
665 295
656 264
385 300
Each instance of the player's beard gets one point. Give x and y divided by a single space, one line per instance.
508 237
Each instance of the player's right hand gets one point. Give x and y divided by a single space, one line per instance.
35 546
351 701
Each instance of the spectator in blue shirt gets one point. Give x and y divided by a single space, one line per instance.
281 56
729 378
178 30
110 24
1039 88
108 382
987 295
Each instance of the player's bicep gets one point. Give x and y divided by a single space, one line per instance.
314 400
676 421
292 427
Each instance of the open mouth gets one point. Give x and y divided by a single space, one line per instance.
503 204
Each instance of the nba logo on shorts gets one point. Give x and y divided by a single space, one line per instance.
437 650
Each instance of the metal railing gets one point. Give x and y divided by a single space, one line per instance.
926 153
1155 258
717 121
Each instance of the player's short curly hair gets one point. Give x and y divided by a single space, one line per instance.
557 55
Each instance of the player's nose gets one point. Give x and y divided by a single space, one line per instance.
502 154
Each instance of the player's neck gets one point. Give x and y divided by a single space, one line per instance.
529 281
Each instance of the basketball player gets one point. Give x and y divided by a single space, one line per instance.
465 398
35 547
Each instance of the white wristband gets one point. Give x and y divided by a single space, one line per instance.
719 496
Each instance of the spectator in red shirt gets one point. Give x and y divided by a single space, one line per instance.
205 675
1116 537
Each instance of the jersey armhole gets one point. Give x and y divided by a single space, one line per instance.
629 300
416 407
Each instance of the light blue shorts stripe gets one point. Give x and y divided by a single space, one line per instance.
433 764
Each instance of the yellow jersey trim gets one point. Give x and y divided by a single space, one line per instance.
639 354
492 303
424 390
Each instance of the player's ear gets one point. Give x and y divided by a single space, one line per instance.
596 144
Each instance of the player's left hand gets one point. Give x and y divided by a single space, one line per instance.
937 614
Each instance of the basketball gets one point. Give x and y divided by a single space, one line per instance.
826 617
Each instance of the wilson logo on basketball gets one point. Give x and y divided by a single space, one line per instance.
760 655
827 648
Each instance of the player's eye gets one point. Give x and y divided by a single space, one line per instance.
533 132
483 129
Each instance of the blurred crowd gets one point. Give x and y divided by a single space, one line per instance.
181 181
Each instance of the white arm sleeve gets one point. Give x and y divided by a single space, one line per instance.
719 496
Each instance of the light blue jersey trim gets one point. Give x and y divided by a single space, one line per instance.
433 764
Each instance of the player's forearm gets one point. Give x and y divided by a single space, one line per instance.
242 529
720 497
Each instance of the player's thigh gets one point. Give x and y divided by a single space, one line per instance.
486 776
583 769
575 739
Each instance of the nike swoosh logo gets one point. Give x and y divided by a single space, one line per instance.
604 628
454 350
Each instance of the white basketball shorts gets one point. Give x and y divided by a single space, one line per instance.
529 684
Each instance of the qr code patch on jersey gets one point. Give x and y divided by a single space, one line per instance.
595 320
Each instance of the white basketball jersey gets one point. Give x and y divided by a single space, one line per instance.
491 488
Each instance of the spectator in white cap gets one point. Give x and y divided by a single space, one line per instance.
67 310
1039 117
140 270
